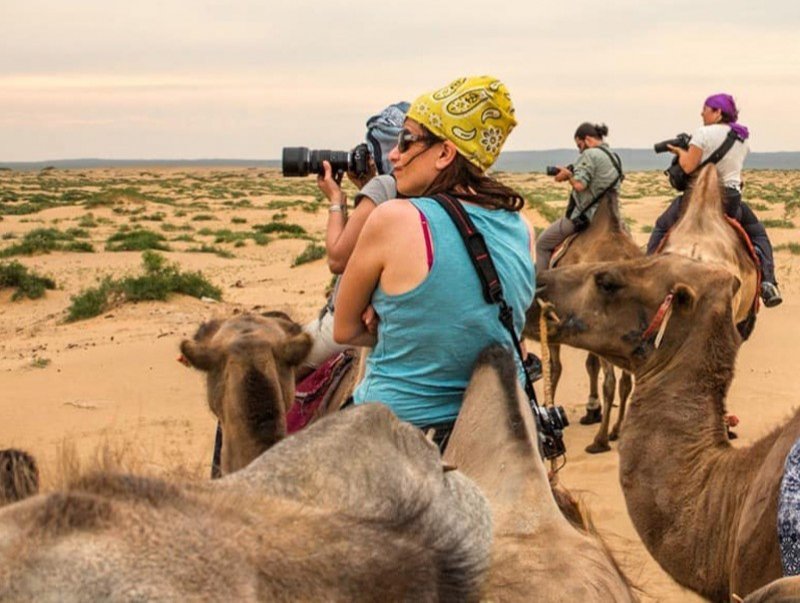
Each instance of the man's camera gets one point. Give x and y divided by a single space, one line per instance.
552 170
681 141
300 161
551 421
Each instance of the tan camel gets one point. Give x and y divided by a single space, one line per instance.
706 511
537 554
19 475
309 520
606 239
704 233
250 362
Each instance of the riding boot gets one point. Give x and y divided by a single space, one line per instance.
770 294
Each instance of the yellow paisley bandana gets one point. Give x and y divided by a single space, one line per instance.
474 113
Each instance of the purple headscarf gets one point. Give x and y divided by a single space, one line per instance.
726 104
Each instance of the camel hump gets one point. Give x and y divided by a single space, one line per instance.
608 214
706 195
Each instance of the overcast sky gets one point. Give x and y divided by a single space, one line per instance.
243 78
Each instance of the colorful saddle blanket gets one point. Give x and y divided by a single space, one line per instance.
312 394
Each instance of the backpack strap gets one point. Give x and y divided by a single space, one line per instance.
487 273
723 149
620 177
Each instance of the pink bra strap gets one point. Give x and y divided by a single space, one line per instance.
427 233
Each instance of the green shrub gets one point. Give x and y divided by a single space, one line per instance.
45 240
28 284
223 253
779 223
312 252
136 240
793 248
159 280
282 227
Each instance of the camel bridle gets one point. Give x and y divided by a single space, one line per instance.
658 325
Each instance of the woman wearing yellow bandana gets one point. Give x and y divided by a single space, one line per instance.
410 289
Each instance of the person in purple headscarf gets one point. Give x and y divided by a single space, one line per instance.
720 116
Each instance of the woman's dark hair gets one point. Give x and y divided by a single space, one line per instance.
594 130
726 118
466 181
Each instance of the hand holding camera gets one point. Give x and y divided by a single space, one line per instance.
561 174
329 185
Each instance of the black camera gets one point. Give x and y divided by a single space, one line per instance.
552 170
681 141
300 161
551 421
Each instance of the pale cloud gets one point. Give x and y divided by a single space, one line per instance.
243 78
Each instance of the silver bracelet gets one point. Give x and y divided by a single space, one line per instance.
339 208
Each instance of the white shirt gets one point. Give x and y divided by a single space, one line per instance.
729 168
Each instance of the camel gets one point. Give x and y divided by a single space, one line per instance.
250 361
704 233
705 510
606 239
308 520
537 553
19 475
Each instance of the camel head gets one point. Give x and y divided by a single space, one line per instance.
636 312
250 362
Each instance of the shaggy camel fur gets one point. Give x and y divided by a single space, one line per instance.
537 554
250 362
606 239
704 233
705 510
19 476
309 520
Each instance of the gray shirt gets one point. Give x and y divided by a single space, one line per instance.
380 189
597 172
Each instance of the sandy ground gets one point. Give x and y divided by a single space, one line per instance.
113 380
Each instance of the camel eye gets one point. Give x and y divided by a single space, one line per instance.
606 282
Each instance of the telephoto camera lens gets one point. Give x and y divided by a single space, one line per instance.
294 162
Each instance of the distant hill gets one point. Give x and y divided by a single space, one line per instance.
84 164
633 160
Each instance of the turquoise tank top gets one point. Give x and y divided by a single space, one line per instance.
430 337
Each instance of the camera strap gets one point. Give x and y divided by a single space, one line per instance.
617 163
478 253
723 149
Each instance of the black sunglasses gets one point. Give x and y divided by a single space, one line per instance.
406 138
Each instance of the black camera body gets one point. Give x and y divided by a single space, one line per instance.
300 161
551 421
552 170
681 141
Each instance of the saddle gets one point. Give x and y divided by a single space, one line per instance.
560 251
313 394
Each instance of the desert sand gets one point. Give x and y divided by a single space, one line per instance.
112 382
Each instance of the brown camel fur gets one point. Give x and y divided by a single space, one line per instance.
307 521
705 510
537 553
19 476
606 239
704 233
250 362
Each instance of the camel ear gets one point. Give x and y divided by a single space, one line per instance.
200 356
684 297
295 349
